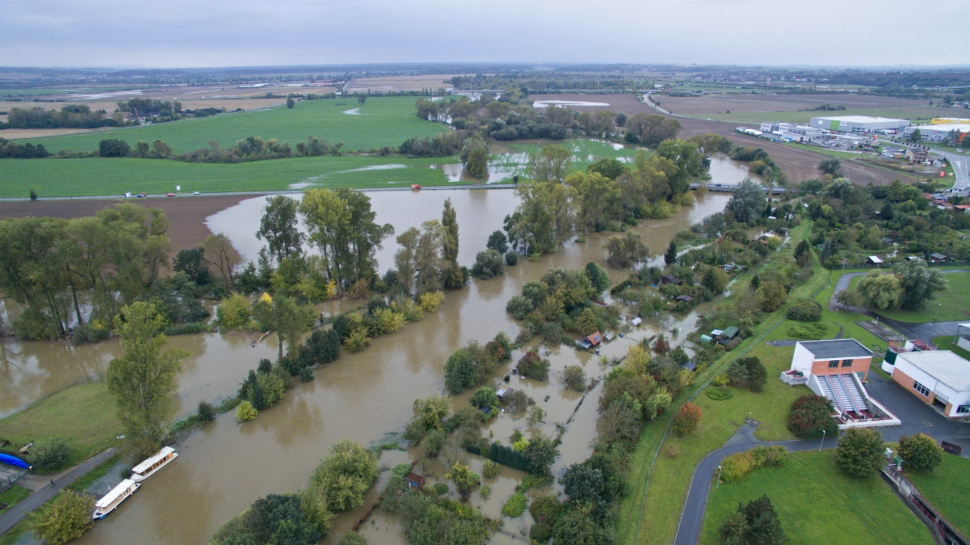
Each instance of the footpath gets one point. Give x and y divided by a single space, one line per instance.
15 514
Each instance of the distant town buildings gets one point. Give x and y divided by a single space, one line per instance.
937 132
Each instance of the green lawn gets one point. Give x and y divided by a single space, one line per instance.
662 498
951 305
382 122
818 504
83 414
14 495
946 488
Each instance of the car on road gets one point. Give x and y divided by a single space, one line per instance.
141 195
195 192
170 194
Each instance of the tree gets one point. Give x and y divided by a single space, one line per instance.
345 475
671 256
860 453
143 381
283 314
802 254
33 195
234 312
916 136
880 290
551 163
687 419
278 226
830 165
918 284
113 147
192 262
920 453
64 518
748 202
406 258
477 164
574 377
464 478
753 524
290 102
220 254
811 415
748 373
488 264
626 251
50 454
651 130
454 278
773 296
484 397
715 280
497 241
540 453
608 168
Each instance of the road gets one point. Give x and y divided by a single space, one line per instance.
960 163
15 514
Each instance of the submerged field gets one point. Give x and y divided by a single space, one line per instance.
381 122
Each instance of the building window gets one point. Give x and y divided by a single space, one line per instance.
833 364
846 363
963 409
921 389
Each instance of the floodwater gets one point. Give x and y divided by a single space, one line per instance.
361 397
567 104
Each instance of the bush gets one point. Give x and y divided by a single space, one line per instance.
519 307
488 264
50 454
440 489
484 397
511 258
306 374
246 412
718 393
345 475
807 332
687 419
574 377
92 332
206 412
515 506
485 491
272 387
490 469
920 453
811 415
753 524
736 466
350 538
534 367
860 452
64 518
748 373
358 340
234 312
431 300
805 310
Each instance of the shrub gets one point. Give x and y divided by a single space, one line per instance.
671 450
488 264
687 419
463 478
718 393
93 332
440 488
807 332
811 415
245 412
484 397
574 377
534 367
206 412
920 453
485 491
860 452
490 469
748 373
272 387
431 300
234 312
519 307
50 454
736 466
511 258
306 374
357 341
515 506
345 475
64 518
805 310
350 538
753 524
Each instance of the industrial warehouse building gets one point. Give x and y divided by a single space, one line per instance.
937 377
858 124
937 133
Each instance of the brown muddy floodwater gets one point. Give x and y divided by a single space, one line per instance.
361 397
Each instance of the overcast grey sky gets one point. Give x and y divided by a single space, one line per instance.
192 33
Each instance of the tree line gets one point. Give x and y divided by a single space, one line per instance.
70 116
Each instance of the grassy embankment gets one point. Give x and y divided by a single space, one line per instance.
382 122
13 495
661 499
816 503
948 306
946 488
83 414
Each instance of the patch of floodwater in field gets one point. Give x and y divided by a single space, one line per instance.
313 180
354 111
567 104
224 467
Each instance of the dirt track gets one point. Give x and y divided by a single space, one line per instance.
799 164
186 215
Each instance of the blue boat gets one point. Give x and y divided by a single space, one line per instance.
14 461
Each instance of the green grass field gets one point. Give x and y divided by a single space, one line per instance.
817 504
13 495
949 306
946 488
382 122
83 414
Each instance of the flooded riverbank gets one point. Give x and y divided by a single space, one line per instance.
226 466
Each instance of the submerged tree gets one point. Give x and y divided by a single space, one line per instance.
143 381
278 227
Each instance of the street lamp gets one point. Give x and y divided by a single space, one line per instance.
822 443
937 313
718 478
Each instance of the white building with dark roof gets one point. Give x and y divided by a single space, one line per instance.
937 377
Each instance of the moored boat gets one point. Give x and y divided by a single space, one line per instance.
113 499
148 468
